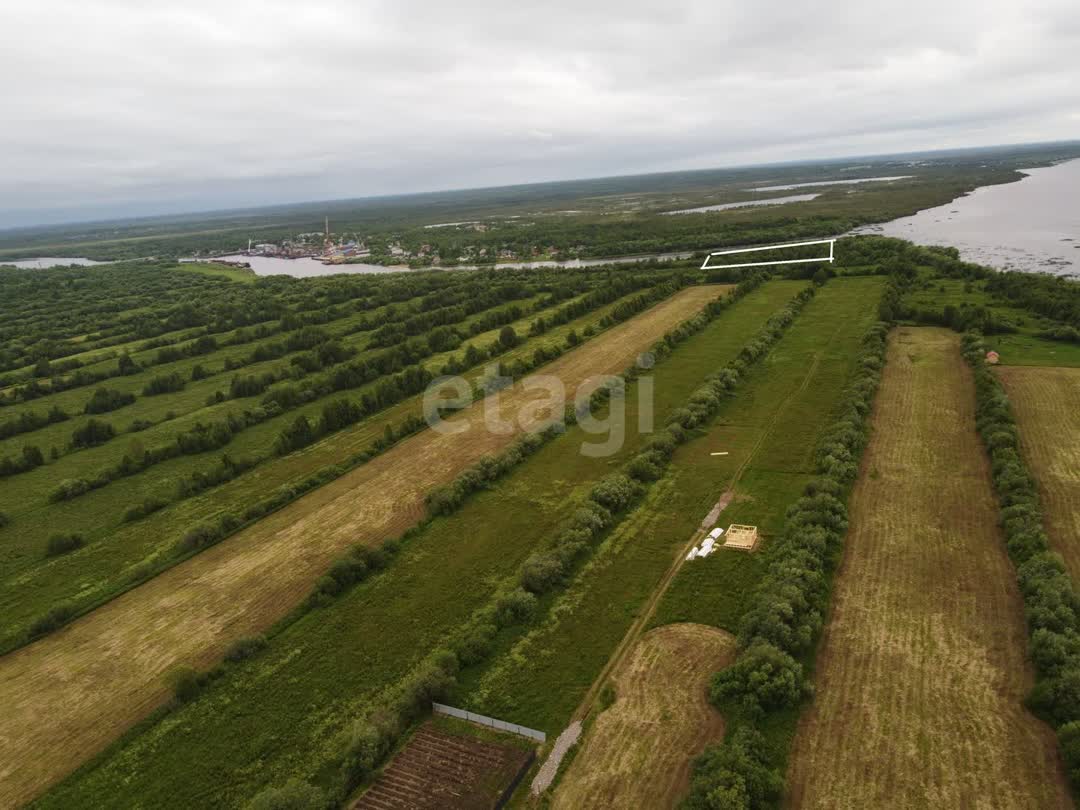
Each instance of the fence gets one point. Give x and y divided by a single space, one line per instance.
490 722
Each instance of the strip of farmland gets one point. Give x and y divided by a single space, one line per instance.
922 672
280 715
1046 402
191 613
783 401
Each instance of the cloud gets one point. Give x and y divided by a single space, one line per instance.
118 104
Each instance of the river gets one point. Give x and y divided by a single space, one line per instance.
1031 225
48 261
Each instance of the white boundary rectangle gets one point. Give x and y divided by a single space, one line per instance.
830 258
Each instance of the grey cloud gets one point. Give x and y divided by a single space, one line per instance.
112 104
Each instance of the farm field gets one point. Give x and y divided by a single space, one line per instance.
922 669
280 715
438 769
541 680
115 550
191 613
638 750
1046 402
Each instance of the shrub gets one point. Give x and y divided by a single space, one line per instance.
147 507
515 607
245 648
541 572
735 775
63 543
615 492
107 399
186 684
68 489
1069 741
200 536
93 433
293 795
763 678
164 384
4 520
56 617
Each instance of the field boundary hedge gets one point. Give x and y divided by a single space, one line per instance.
1051 600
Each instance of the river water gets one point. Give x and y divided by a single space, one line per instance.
747 203
1032 225
47 261
304 267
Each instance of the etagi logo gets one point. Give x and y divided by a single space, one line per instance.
538 401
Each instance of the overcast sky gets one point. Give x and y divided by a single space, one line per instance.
114 107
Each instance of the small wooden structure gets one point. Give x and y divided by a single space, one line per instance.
741 537
993 358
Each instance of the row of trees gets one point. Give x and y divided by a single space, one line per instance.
1051 601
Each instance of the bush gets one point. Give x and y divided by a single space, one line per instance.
735 775
4 520
293 795
147 507
186 684
164 384
57 617
203 535
107 399
515 607
68 489
93 433
1069 742
245 648
63 543
615 492
763 678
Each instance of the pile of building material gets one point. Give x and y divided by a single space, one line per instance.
741 537
708 545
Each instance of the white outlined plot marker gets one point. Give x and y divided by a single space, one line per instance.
830 258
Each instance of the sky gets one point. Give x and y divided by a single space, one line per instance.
137 107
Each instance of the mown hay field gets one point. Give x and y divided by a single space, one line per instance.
59 711
638 750
1046 402
922 669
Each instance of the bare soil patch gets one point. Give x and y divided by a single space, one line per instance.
922 670
70 694
1046 402
639 751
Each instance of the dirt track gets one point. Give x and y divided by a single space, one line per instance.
638 751
922 670
69 695
1046 402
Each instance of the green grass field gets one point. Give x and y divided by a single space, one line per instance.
540 680
277 715
1021 348
116 552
